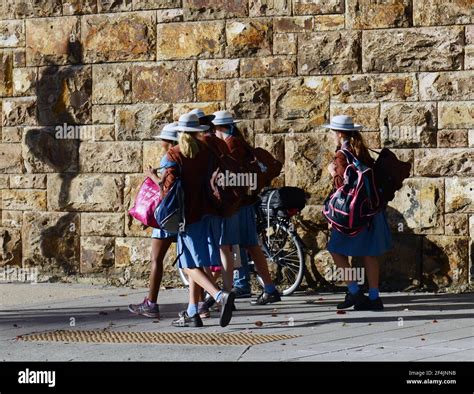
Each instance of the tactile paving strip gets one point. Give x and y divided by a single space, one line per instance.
173 338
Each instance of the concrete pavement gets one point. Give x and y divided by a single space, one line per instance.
418 326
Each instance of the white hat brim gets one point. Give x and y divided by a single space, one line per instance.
164 137
225 124
333 127
192 129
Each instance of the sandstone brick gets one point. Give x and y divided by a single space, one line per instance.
12 34
314 7
153 4
10 247
218 68
296 24
133 255
331 52
164 82
24 81
452 138
97 255
249 98
453 115
190 40
119 37
445 261
329 22
369 14
170 15
285 44
408 124
12 219
471 138
456 224
306 159
439 12
19 111
6 73
447 86
365 114
269 7
74 7
152 154
459 196
87 192
141 121
28 181
444 162
19 57
103 224
211 91
12 134
24 200
103 114
43 152
114 5
112 83
418 207
103 132
48 40
249 37
469 48
208 108
10 159
4 181
471 226
301 98
110 157
64 95
133 228
374 87
51 240
272 66
214 9
427 49
17 9
275 144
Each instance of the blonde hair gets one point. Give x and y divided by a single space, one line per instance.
188 145
360 149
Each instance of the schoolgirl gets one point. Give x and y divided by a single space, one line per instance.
227 130
198 245
160 239
372 241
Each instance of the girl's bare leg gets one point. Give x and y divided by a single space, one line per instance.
260 263
159 247
372 270
227 267
202 279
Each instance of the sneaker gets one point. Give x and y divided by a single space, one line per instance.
369 305
267 298
145 309
203 310
352 299
227 306
185 321
242 293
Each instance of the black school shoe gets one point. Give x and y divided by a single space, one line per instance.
352 299
186 321
369 305
267 298
227 306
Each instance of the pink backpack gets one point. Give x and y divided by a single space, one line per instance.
146 202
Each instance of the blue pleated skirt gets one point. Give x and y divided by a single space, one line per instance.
161 234
373 241
247 226
228 229
199 244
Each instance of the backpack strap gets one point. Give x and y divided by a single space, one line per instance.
348 155
374 151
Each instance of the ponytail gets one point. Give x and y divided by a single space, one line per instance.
188 145
360 149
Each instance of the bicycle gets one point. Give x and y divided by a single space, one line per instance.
283 247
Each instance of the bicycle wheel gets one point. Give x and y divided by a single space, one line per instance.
285 254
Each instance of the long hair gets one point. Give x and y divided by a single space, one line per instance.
188 145
360 148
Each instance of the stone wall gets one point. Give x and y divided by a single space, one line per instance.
119 70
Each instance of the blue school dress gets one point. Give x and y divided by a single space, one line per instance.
157 232
228 228
247 226
372 241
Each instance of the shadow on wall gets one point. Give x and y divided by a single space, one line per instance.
414 262
59 103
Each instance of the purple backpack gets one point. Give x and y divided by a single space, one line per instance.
352 206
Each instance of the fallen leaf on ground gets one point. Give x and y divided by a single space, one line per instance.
258 323
435 321
341 312
103 313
